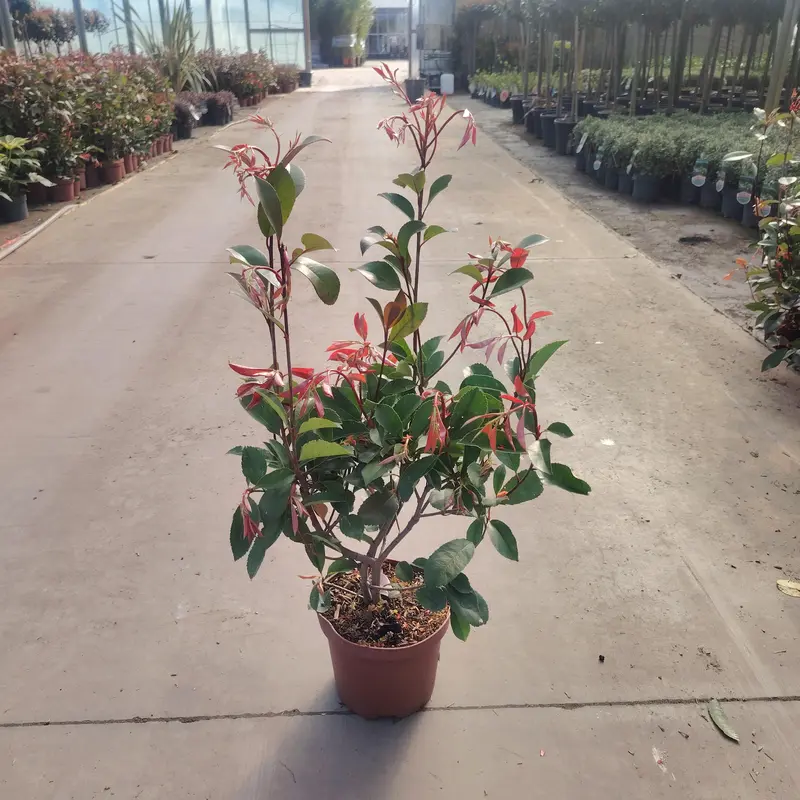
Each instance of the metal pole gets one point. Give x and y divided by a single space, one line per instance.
246 25
209 26
783 54
80 27
7 26
269 26
126 10
410 38
189 18
307 34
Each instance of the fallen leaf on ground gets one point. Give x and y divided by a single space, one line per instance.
792 588
720 720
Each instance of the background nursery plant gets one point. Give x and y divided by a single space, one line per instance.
364 449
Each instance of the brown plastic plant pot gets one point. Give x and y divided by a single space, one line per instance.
113 171
92 176
127 160
63 191
80 174
76 186
376 682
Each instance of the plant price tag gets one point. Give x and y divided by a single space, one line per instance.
598 162
747 183
720 180
633 158
582 143
700 171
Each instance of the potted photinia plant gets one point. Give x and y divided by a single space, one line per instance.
19 167
365 451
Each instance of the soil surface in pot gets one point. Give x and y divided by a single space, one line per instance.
397 621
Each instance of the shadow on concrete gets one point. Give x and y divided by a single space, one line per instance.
332 755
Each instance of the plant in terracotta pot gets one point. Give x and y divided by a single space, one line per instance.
372 447
19 167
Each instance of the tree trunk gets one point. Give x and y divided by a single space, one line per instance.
680 47
524 31
658 66
691 54
710 63
773 38
578 42
560 74
539 61
637 35
782 55
789 82
751 54
737 67
602 83
549 67
725 56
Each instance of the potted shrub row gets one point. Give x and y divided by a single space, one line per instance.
681 157
19 169
367 452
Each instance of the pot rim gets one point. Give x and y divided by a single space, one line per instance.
330 631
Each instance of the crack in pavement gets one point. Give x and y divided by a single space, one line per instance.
343 712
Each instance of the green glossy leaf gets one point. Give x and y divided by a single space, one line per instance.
498 478
374 470
389 420
299 178
370 240
421 418
324 280
319 602
434 598
439 185
441 498
472 403
471 270
318 448
561 476
468 606
434 230
503 540
448 561
341 565
261 544
459 626
263 222
409 321
510 280
280 180
239 543
381 275
719 718
476 531
539 454
313 241
406 405
412 473
774 359
352 526
406 232
560 429
524 487
379 507
542 356
532 241
247 255
271 205
254 464
400 202
317 423
404 571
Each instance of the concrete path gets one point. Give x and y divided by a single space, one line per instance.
138 661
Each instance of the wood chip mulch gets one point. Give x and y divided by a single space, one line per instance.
394 622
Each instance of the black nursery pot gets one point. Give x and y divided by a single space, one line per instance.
624 182
563 130
646 188
588 107
537 122
530 120
580 160
517 110
589 168
611 178
549 129
709 196
731 207
15 209
749 217
690 194
185 130
600 174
